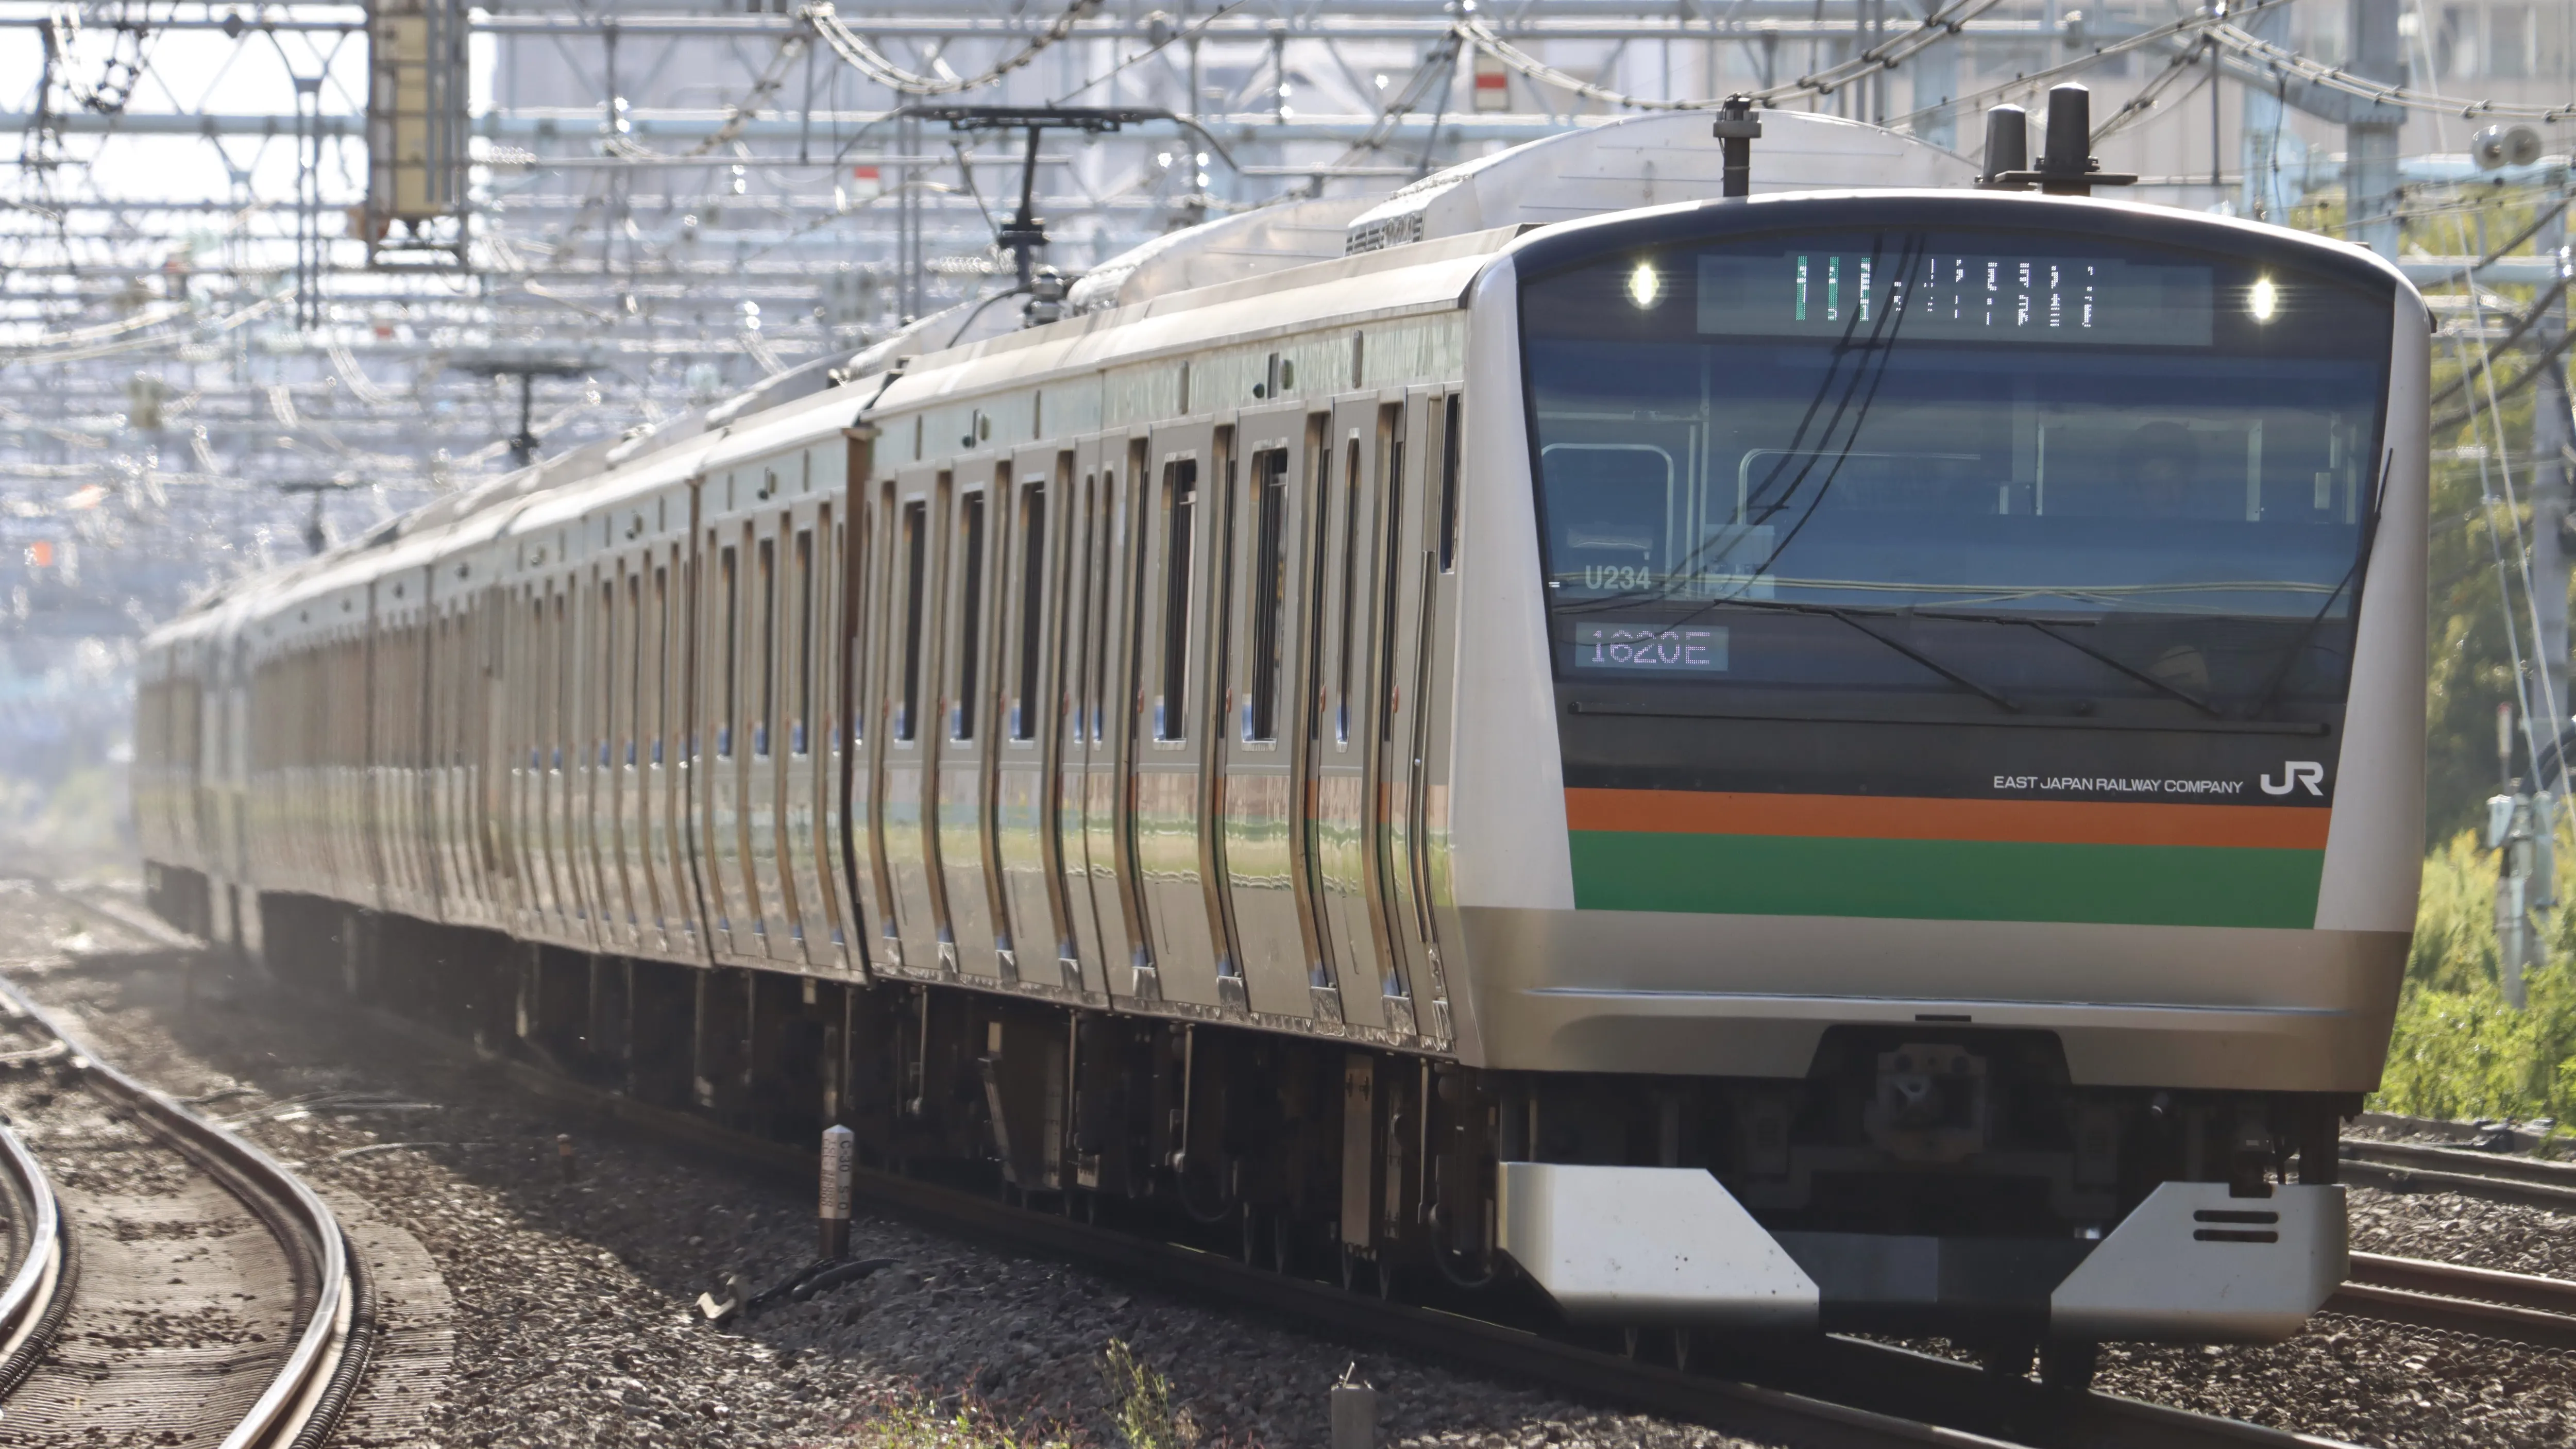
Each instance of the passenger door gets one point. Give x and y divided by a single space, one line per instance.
805 553
912 724
1351 481
1028 729
874 651
671 744
962 805
1422 489
1098 593
717 739
1265 665
1168 831
762 746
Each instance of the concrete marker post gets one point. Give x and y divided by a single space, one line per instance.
840 1147
1354 1413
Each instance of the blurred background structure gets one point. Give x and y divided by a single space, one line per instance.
273 273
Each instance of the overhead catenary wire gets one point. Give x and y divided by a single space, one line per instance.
738 116
2548 358
2135 109
2028 81
2291 65
2503 456
1938 25
2491 415
854 51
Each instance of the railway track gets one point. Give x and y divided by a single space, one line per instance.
2495 1176
194 1290
2537 1312
36 1292
1831 1393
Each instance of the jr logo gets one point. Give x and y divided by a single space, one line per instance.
2295 773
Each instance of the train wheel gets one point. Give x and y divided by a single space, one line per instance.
2069 1363
1350 1269
2007 1363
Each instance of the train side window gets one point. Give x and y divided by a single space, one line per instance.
970 618
848 572
732 661
1449 485
768 585
804 626
1269 593
1180 501
605 731
1394 569
635 662
663 674
1073 629
916 517
1350 592
562 675
1024 708
531 716
1104 533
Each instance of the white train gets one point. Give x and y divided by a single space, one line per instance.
1849 757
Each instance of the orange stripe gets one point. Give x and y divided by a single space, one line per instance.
1870 817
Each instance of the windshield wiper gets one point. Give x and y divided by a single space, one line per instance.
1849 616
2361 561
2045 627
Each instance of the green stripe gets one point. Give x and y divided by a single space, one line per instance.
1946 880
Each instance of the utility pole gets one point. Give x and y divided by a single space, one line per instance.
2522 830
2550 538
2550 460
2370 138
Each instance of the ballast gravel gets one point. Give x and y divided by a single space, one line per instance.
574 1300
576 1326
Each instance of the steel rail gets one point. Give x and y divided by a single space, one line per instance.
1828 1391
39 1291
329 1352
2534 1311
2496 1177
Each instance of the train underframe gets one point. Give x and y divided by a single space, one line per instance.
1927 1180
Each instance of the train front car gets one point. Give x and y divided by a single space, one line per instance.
1963 823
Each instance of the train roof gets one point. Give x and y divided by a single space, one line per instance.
1255 275
1345 290
1649 160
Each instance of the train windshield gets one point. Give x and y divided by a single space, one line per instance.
2004 469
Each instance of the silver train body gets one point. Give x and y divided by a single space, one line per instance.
1681 756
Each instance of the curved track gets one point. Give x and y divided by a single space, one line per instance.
219 1303
37 1292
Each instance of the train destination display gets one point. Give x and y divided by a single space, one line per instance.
2100 301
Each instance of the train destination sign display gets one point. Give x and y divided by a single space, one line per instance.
1651 648
1954 297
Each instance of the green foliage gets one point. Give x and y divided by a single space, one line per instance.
900 1419
2455 939
2458 1050
1146 1419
